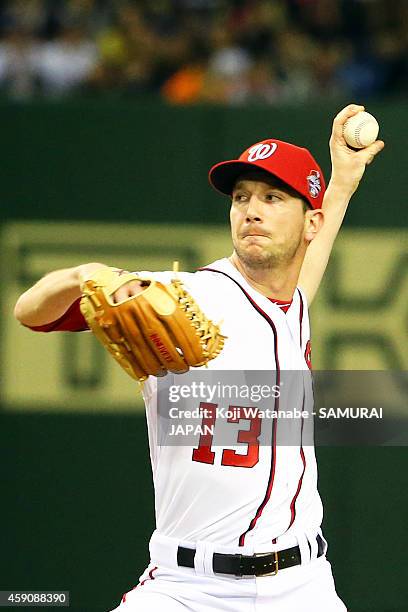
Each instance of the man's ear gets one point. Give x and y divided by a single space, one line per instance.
314 220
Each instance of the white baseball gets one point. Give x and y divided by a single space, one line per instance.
361 130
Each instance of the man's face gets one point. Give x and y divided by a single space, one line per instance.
267 223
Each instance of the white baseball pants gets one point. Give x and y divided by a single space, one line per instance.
164 587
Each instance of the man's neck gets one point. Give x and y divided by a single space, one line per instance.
279 283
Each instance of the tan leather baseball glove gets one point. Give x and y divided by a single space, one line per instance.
160 330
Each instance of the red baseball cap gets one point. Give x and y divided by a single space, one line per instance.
293 165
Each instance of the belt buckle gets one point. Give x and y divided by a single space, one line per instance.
275 571
275 554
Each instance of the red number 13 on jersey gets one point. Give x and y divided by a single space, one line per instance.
204 454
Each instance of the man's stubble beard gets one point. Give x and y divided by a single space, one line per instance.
267 260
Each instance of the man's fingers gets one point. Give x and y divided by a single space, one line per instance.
123 293
370 152
341 118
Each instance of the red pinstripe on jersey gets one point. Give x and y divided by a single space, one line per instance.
150 577
300 317
302 453
302 456
269 486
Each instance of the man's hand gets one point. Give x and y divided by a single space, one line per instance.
160 330
348 165
128 290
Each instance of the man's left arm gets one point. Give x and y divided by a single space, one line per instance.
348 167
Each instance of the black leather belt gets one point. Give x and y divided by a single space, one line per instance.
261 564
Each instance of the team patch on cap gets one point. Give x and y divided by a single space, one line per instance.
314 184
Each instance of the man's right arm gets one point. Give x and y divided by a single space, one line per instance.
52 295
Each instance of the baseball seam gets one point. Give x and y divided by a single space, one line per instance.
357 131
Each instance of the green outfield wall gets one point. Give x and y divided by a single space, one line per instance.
77 505
134 161
357 318
125 182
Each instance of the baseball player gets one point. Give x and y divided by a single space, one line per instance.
238 528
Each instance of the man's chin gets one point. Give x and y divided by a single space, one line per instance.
255 257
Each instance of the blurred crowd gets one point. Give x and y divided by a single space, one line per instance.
194 51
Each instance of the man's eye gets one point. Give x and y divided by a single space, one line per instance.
239 197
272 197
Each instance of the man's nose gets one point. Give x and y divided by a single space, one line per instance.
253 212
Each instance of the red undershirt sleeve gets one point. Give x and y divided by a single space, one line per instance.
72 320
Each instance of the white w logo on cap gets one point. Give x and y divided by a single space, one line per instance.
261 151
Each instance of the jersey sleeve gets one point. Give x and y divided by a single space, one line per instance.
72 320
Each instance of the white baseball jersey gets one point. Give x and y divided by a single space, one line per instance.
250 495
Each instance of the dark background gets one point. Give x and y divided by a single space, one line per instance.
145 161
77 503
78 512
